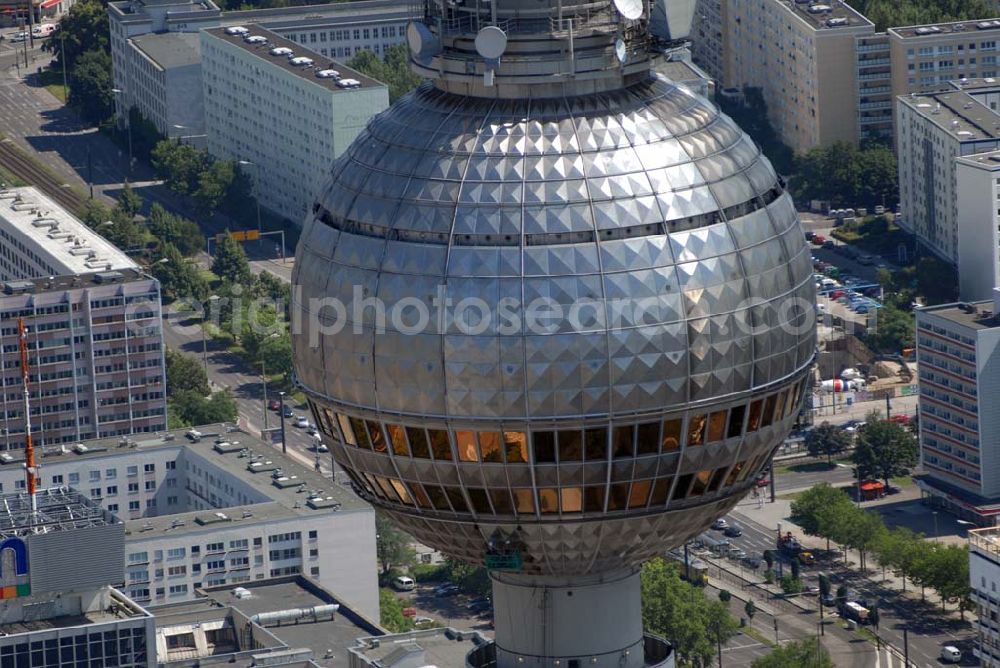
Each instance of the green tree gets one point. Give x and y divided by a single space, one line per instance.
392 545
391 612
178 278
894 329
231 262
842 593
194 409
860 530
873 617
393 70
824 584
791 585
185 374
90 86
180 165
827 440
796 569
725 596
887 13
814 509
214 183
129 204
900 548
472 580
945 568
846 175
749 609
807 652
884 449
84 28
180 232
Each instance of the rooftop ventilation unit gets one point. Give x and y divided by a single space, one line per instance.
327 74
927 30
301 61
18 287
236 30
837 22
108 277
255 39
820 9
349 83
281 51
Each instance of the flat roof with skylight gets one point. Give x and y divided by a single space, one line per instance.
971 28
958 113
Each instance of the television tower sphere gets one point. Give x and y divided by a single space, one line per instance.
553 314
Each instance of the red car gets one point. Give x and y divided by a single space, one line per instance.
900 419
836 294
274 404
818 240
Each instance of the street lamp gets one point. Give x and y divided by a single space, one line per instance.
128 126
180 138
281 412
256 191
204 340
934 513
62 57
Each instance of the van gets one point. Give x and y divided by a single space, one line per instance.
43 30
403 583
951 654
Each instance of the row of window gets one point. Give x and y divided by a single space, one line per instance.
562 446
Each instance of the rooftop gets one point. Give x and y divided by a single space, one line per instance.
118 607
937 29
317 632
974 315
299 492
986 541
81 281
288 58
58 509
989 160
135 10
170 49
356 12
958 113
433 647
56 235
825 15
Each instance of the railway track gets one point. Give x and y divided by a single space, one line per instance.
20 165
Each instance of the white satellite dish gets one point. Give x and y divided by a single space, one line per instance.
620 52
630 9
491 42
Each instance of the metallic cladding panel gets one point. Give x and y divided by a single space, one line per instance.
77 559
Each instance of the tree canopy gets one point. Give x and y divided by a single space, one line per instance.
393 69
191 408
230 263
846 175
806 652
884 449
172 229
83 28
179 279
185 373
391 612
90 85
827 440
888 13
391 545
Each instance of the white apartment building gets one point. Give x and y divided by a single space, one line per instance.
984 579
156 79
874 84
959 382
205 514
278 106
931 132
803 57
977 180
706 37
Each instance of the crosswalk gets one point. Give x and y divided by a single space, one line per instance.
890 658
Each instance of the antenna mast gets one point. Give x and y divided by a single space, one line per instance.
30 470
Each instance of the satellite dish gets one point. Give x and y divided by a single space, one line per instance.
421 40
491 42
630 9
620 52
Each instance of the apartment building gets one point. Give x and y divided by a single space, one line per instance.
155 77
984 578
933 130
206 513
977 181
62 554
803 57
926 58
707 46
293 117
959 382
874 84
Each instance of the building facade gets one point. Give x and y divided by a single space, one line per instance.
984 578
959 383
201 514
874 84
290 120
931 132
706 38
804 59
977 181
162 79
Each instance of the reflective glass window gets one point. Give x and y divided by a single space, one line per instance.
524 500
660 490
501 501
767 417
571 499
397 436
753 422
457 500
596 441
717 477
779 407
621 441
360 432
618 498
736 421
733 472
700 484
516 446
570 446
345 427
647 440
548 500
792 405
671 439
696 430
480 503
593 499
490 447
465 441
640 493
717 426
440 445
376 436
544 444
420 495
418 443
680 489
387 491
437 497
401 491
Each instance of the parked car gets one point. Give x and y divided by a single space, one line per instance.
302 421
321 447
733 531
817 240
829 244
900 419
446 591
810 235
274 405
288 412
836 294
751 562
479 605
829 599
19 36
720 524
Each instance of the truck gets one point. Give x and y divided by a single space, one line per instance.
790 546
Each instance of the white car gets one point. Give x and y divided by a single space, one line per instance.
720 524
951 654
302 421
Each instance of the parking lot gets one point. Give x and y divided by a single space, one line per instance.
449 610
